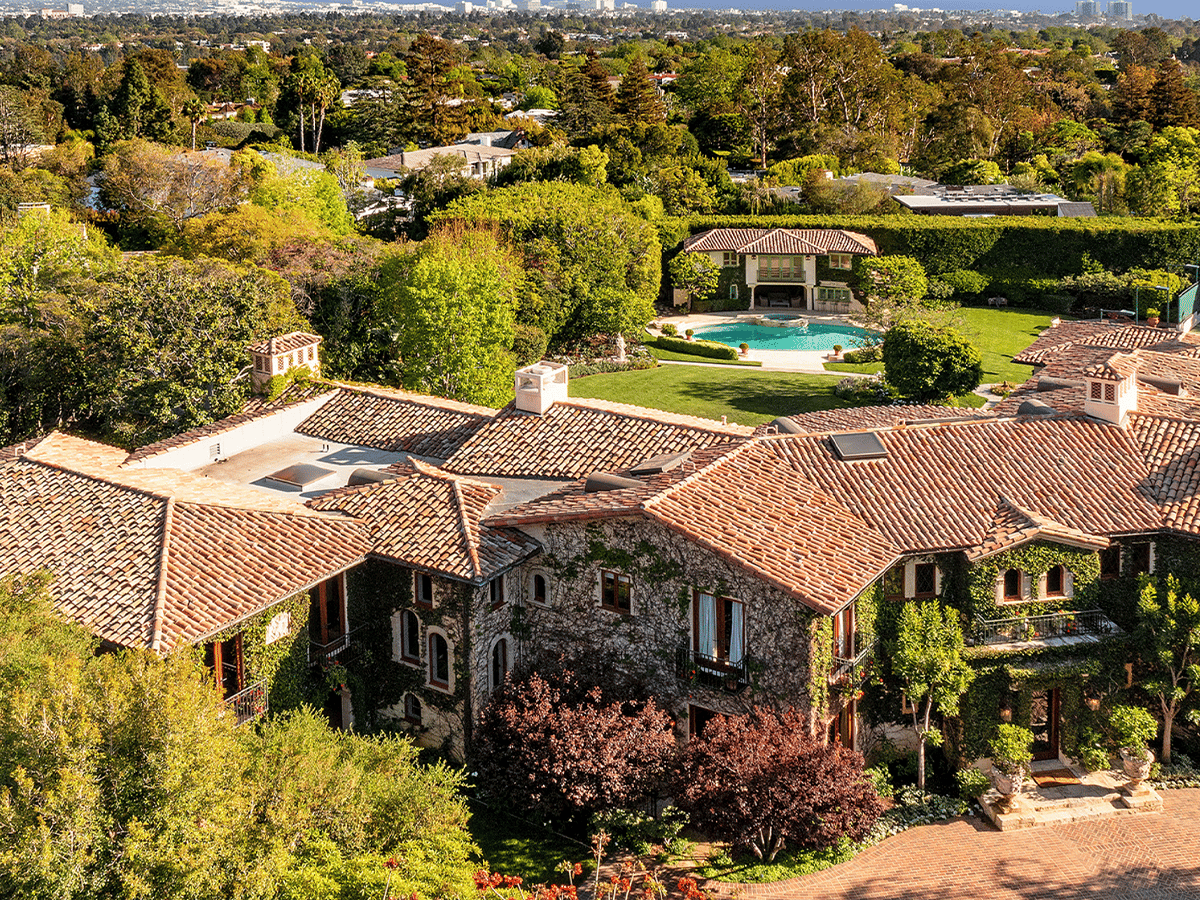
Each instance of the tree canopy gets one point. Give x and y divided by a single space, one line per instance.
927 363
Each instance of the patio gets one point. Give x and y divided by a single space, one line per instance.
1068 794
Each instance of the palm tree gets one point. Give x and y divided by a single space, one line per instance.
194 111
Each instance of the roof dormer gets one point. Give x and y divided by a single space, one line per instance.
1112 389
280 355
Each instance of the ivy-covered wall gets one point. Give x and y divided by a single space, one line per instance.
1034 560
283 663
374 591
781 634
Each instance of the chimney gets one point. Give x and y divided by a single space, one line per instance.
1112 389
280 355
540 386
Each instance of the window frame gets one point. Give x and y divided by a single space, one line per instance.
841 261
325 630
1137 564
215 653
496 593
407 634
1061 591
618 579
544 600
918 594
1019 595
723 630
413 717
448 684
420 581
496 678
729 259
1110 562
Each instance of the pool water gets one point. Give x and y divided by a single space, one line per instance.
814 336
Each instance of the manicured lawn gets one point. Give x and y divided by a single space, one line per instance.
788 864
748 398
999 334
513 846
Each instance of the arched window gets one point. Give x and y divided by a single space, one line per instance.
499 662
733 291
439 661
412 709
1055 582
410 637
540 592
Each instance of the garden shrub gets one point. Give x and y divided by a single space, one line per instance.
967 281
1093 751
761 781
881 780
669 329
709 349
927 363
555 743
872 390
638 831
971 783
529 344
864 355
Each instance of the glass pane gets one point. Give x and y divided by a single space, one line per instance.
1039 721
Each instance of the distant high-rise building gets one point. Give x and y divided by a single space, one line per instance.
658 5
1085 8
1119 9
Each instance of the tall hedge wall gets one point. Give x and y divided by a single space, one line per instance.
1050 246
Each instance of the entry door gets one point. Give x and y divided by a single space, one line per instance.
1043 722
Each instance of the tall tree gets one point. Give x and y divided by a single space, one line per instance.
637 97
451 302
759 96
1172 102
194 111
927 658
1168 636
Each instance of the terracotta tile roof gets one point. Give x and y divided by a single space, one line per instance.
1012 527
1116 367
159 558
796 241
1171 449
723 239
781 240
577 437
285 343
431 519
255 408
938 486
396 421
869 417
1094 333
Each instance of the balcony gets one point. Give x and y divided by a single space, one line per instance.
849 674
1058 629
777 277
711 672
341 648
249 703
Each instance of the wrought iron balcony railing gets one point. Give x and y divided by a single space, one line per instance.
1031 629
248 703
341 648
710 671
852 672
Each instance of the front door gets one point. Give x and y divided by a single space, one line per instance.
1043 722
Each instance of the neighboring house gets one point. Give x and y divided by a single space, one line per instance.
508 140
478 161
722 566
799 268
980 200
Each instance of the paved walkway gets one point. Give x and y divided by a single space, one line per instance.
1144 857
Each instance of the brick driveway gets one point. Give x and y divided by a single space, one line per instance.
1143 856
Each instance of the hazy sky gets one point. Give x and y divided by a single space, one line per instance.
1168 9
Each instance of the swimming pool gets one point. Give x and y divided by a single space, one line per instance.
813 336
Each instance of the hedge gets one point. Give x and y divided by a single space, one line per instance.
1048 246
711 349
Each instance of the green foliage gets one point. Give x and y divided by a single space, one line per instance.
1035 560
711 349
1093 751
864 355
972 784
33 637
529 344
639 832
795 172
694 273
311 191
1012 748
451 302
1168 635
593 264
966 281
1132 728
927 363
881 780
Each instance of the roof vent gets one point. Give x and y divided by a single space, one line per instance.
1036 408
656 465
540 386
856 445
1171 386
784 425
606 481
368 476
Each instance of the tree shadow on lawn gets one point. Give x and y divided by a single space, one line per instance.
769 396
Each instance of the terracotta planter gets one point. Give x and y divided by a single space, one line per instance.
1152 321
1137 768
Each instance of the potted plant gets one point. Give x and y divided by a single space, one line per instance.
1152 317
688 334
837 351
1012 752
1133 728
744 348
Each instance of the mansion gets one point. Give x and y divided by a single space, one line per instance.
722 566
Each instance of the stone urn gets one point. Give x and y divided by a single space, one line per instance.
1136 765
1007 784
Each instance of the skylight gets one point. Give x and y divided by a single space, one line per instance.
301 475
858 445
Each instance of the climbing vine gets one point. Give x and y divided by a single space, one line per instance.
1034 560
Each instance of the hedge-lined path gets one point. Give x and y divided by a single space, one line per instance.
1145 857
